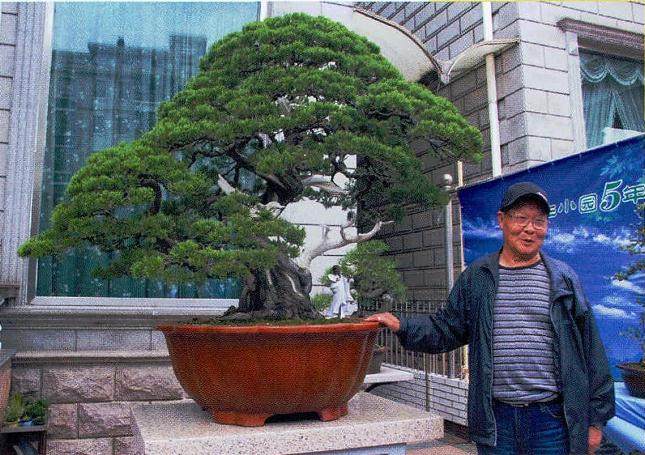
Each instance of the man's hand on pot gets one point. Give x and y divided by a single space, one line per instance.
387 319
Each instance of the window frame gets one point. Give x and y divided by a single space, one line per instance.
600 39
98 305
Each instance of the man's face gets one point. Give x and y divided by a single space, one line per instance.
524 228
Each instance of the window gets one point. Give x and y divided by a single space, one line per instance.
112 65
612 91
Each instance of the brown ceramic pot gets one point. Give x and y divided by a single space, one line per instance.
242 375
378 357
634 377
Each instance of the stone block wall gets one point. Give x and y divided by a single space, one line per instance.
539 106
5 385
446 29
448 397
535 104
542 126
90 394
8 24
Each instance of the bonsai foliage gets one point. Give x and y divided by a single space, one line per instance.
637 248
270 119
376 280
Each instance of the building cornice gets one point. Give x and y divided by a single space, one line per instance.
603 34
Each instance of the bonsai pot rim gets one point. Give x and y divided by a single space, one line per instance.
632 367
358 326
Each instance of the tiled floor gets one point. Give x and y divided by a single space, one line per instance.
448 445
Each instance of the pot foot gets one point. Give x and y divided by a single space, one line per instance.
240 418
332 413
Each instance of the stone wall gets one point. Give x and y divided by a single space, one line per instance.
5 385
543 109
8 23
448 397
534 99
90 394
538 94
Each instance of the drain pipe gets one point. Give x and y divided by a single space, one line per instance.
265 10
448 247
491 86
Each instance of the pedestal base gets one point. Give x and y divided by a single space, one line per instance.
246 419
373 426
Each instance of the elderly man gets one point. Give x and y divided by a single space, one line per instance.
539 376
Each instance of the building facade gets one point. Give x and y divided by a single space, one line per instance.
63 95
573 81
75 79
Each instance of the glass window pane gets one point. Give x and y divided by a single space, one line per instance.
612 91
112 65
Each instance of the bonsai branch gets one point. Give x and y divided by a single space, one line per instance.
320 182
273 206
346 239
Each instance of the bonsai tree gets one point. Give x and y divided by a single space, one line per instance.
272 118
637 247
376 281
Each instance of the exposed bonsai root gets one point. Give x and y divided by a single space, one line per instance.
235 314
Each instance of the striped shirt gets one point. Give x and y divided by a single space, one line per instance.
524 368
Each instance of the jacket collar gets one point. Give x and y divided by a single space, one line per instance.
560 285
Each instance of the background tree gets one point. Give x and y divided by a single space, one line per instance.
376 282
637 248
270 119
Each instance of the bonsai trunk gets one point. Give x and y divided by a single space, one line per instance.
281 292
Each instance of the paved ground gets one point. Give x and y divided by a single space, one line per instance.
448 445
454 445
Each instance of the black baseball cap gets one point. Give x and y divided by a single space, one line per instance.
523 191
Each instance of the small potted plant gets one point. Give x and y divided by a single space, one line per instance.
36 411
25 411
15 409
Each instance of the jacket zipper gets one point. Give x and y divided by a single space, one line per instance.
555 331
492 366
491 386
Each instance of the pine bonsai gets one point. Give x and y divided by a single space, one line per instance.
269 120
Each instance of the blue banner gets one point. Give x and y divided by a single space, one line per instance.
593 197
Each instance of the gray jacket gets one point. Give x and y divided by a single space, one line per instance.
587 386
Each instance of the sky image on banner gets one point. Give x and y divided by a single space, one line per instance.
594 197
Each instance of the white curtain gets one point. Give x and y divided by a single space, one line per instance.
612 88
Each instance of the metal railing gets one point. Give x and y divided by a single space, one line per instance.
450 364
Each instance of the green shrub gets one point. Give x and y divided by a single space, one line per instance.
20 408
321 301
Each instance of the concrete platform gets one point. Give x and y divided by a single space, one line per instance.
373 425
388 375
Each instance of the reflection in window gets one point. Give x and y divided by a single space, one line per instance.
112 65
612 90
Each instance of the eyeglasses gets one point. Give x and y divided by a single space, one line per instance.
523 221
